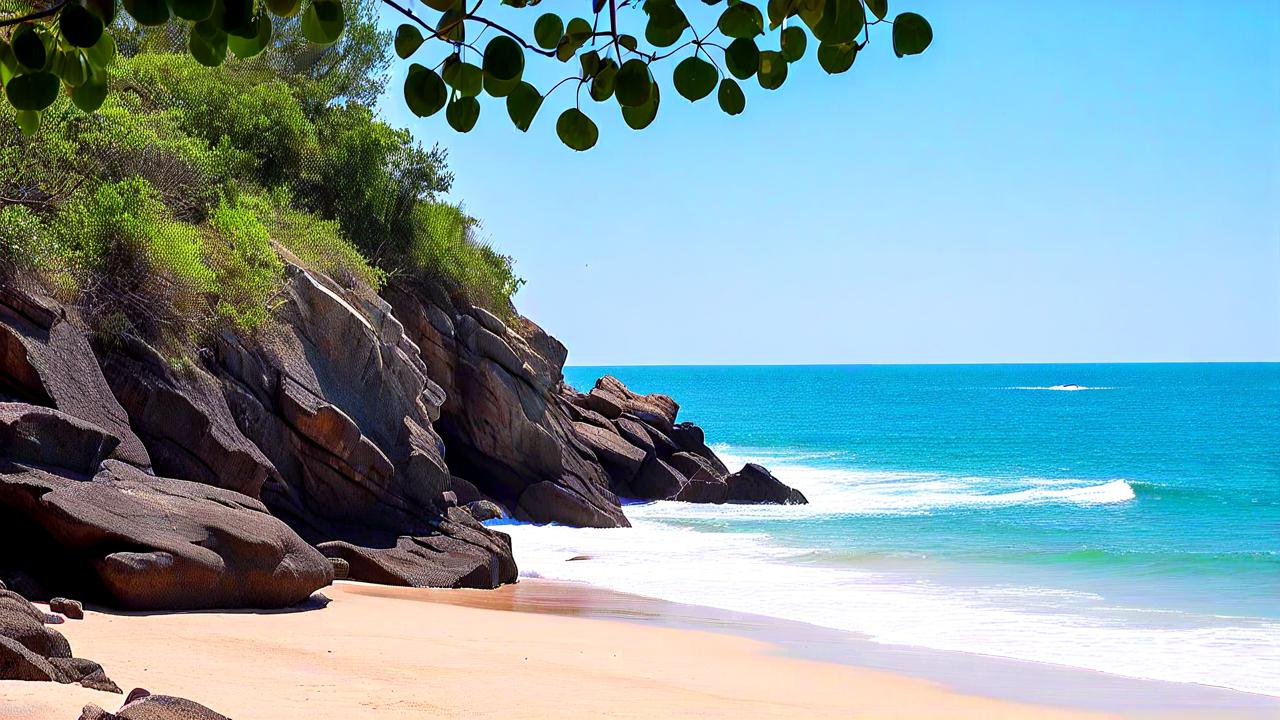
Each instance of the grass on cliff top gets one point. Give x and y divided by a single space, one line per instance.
167 213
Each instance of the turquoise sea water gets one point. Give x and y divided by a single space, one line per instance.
1124 518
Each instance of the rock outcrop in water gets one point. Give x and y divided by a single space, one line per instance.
357 431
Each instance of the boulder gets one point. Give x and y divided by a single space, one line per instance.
483 510
142 705
31 651
46 360
755 484
657 410
617 454
507 429
657 481
183 418
696 468
461 554
44 436
141 542
70 608
690 438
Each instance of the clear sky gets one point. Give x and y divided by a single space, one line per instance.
1049 182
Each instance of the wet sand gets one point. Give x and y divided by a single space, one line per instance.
556 650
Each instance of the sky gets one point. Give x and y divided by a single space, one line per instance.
1049 182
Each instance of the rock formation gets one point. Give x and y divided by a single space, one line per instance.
142 705
31 651
361 432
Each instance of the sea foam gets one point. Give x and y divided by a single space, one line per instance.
691 554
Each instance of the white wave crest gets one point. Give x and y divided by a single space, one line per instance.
1059 388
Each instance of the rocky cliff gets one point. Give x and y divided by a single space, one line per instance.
363 433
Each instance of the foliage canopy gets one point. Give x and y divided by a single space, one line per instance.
612 50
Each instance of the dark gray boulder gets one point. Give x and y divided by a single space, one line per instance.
755 484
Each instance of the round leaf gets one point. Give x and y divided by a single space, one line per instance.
639 118
499 88
208 44
28 122
633 85
577 130
464 77
408 40
605 81
148 12
879 8
793 43
103 52
235 18
773 70
452 26
695 78
79 27
523 104
730 96
463 113
841 22
742 20
284 8
548 30
742 58
70 67
193 10
911 34
248 47
32 91
424 92
323 21
503 58
666 23
837 58
28 47
89 96
104 9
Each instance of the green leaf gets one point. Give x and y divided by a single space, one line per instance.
548 30
911 34
742 58
667 23
730 96
793 43
284 8
70 67
208 44
408 40
79 27
837 58
103 53
523 104
248 47
193 10
148 12
424 92
695 78
773 70
452 26
841 22
575 36
235 17
503 58
590 62
639 118
464 77
604 82
633 85
28 47
577 130
499 88
879 8
742 20
32 91
323 21
463 113
28 122
90 96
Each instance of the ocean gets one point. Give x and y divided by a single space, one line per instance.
1119 518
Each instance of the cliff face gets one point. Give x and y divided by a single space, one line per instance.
369 431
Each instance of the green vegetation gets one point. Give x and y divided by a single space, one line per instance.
172 211
62 45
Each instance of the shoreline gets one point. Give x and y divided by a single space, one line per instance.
552 649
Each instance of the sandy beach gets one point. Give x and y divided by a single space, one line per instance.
405 653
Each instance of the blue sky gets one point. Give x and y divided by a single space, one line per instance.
1050 182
